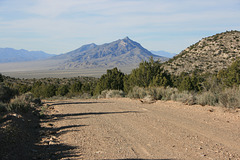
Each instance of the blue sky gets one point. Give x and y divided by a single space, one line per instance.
59 26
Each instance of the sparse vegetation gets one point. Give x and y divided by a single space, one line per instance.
149 79
191 79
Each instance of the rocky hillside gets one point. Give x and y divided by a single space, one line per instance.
123 52
208 55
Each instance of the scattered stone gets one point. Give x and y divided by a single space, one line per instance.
52 143
50 124
98 152
210 110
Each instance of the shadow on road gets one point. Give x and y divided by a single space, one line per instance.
22 137
69 103
142 159
51 146
91 113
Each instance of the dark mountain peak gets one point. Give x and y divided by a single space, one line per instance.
127 42
126 38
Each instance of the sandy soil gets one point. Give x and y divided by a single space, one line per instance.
127 129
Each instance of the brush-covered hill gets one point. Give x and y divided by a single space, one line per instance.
210 54
123 52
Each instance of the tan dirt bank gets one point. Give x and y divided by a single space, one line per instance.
126 129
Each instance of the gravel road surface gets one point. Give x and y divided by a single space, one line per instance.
127 129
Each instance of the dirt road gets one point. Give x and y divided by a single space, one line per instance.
127 129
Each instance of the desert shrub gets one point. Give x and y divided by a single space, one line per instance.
167 93
157 93
86 96
3 107
230 98
207 98
137 92
115 94
103 94
5 93
23 103
112 94
161 93
185 97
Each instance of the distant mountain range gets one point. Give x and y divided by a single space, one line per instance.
123 52
12 55
164 54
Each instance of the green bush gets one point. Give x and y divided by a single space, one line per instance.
1 78
149 73
230 77
112 80
62 90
